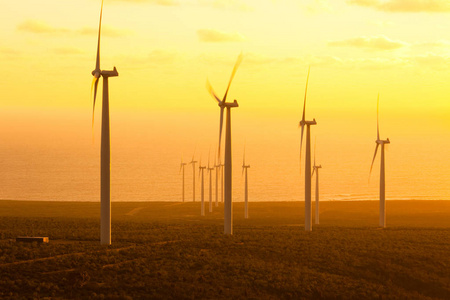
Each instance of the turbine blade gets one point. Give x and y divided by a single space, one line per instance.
94 86
236 65
373 160
243 170
378 127
301 144
243 161
312 174
306 90
211 91
220 127
97 61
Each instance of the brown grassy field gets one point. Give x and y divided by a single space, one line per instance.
166 250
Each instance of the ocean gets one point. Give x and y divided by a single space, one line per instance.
54 156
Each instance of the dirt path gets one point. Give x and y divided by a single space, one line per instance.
134 211
62 255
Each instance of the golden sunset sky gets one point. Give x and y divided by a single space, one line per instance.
165 50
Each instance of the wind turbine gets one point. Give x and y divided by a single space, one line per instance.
303 122
193 162
210 169
228 207
244 169
316 169
201 170
182 168
105 158
382 171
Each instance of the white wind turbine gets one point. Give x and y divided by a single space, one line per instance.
182 169
244 169
193 162
228 206
316 169
105 158
210 169
382 171
201 171
303 122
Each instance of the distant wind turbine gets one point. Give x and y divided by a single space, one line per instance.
105 160
228 206
193 162
182 168
303 122
201 171
382 170
210 169
316 169
244 169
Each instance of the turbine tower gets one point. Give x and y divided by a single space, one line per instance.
105 158
228 206
210 169
382 171
316 169
201 171
244 169
193 162
221 180
303 122
182 168
217 168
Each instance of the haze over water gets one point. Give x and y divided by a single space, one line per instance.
55 159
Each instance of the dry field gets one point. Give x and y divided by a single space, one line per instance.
167 251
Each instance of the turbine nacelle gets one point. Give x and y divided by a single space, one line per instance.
382 142
228 104
304 122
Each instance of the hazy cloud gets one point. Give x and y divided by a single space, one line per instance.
405 5
436 44
375 43
40 27
35 26
216 36
432 60
106 31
